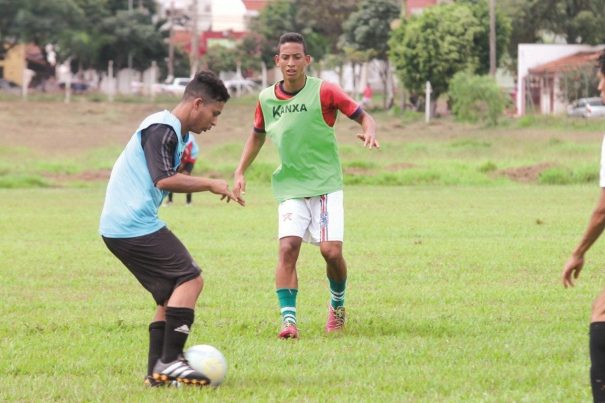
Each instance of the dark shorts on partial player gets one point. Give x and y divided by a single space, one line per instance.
159 261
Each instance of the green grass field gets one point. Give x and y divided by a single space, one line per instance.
454 290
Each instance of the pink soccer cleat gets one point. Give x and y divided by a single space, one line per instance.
288 331
336 319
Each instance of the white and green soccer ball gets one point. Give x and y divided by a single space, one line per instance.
209 361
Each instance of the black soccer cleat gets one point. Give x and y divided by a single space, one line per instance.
178 370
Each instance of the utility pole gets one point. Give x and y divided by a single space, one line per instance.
427 102
170 44
492 37
130 2
195 47
403 15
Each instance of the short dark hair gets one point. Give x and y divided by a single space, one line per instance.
602 63
207 85
291 37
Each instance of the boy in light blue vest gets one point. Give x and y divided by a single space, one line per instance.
142 176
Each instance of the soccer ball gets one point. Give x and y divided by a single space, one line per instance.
209 361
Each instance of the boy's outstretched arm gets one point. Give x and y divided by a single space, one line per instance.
181 183
251 149
595 228
368 136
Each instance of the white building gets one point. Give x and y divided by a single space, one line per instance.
532 56
212 15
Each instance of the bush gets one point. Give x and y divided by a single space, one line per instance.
556 176
22 181
476 98
487 167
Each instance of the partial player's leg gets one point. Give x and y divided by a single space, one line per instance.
336 271
180 316
327 229
286 284
597 349
162 265
187 171
157 329
294 217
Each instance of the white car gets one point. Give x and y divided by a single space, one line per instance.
176 87
587 108
245 86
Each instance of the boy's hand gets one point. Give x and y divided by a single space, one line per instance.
220 187
369 140
572 270
239 185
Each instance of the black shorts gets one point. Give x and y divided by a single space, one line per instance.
159 261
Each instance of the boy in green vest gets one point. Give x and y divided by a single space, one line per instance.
298 114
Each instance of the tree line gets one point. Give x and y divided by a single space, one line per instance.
432 46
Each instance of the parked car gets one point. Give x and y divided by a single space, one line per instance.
9 86
176 87
245 85
587 108
76 86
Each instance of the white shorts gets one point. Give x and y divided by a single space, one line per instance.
314 219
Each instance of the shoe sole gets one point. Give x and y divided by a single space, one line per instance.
166 379
160 384
287 336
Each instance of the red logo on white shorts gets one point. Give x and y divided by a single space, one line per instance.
286 217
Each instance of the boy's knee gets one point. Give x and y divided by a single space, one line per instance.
331 253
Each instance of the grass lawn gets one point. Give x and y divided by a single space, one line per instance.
453 296
455 239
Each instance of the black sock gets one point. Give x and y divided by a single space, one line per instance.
188 197
156 344
597 360
178 324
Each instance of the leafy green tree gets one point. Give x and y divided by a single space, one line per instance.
580 21
276 18
480 9
434 46
281 16
250 51
577 21
142 5
39 22
369 27
82 47
220 58
130 33
89 32
368 30
328 22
